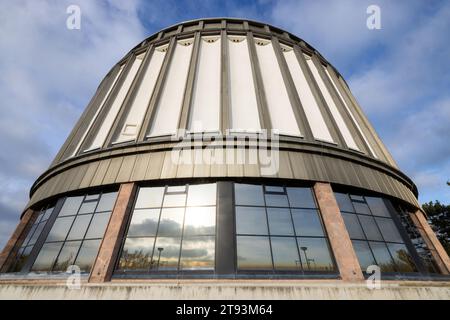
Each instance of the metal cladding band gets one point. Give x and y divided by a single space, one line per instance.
229 76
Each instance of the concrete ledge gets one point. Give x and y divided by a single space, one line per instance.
226 290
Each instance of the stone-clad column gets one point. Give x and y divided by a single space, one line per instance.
16 240
338 236
437 250
103 267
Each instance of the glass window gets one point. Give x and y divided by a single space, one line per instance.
276 200
71 206
402 258
370 228
253 253
107 202
355 197
364 254
98 225
92 197
200 221
166 253
274 189
202 195
67 255
88 207
137 254
307 222
181 211
171 222
301 198
251 220
47 257
36 233
47 214
76 223
174 200
88 253
280 222
344 202
315 254
79 227
382 256
389 230
197 253
285 253
361 208
60 229
353 227
378 207
150 197
144 223
248 194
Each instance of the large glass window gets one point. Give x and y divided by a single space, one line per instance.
76 234
279 229
375 237
31 238
171 229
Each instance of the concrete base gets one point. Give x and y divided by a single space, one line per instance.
226 290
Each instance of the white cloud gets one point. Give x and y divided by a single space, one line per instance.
47 76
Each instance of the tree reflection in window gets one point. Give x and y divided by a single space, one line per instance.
375 237
172 229
279 229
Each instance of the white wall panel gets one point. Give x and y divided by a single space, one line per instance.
168 109
98 110
351 114
332 106
205 110
244 107
315 119
115 107
133 122
280 109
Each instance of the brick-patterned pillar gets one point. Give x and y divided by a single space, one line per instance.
438 252
11 248
341 244
103 267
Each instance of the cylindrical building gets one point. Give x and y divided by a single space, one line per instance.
224 148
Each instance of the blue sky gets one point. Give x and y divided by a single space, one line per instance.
399 74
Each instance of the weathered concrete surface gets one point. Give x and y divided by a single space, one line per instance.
226 289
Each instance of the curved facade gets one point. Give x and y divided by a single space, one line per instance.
224 148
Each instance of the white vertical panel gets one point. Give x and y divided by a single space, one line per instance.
350 113
98 110
133 122
315 119
244 107
280 109
115 107
169 105
205 112
332 106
